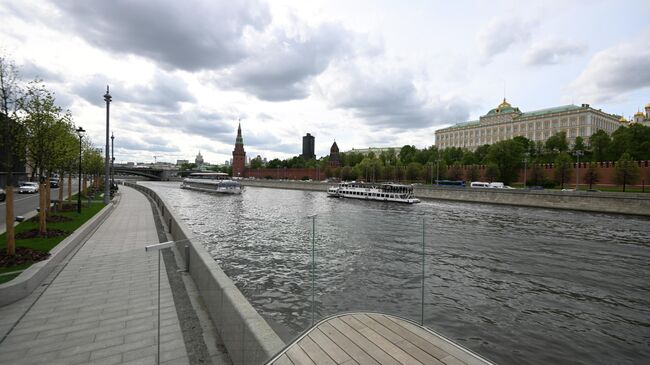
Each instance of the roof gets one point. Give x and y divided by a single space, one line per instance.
557 109
465 124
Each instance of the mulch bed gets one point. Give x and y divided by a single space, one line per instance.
33 233
52 219
23 256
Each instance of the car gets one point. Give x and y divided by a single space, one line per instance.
54 183
3 195
568 189
28 188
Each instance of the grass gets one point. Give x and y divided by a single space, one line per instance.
46 244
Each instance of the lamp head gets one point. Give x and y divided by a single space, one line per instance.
80 130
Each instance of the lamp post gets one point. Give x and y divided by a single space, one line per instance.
79 132
112 160
438 171
107 191
578 153
525 167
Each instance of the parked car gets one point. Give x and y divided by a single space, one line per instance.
3 195
479 184
54 183
28 188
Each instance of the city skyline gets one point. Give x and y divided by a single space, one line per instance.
373 74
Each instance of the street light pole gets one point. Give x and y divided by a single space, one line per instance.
107 191
112 160
578 153
79 132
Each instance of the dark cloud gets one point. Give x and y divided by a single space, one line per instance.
189 36
500 34
282 68
615 71
552 52
31 71
166 91
391 100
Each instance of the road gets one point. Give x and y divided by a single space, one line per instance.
25 203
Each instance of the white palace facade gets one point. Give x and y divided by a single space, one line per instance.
505 122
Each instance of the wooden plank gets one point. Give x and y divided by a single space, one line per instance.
450 360
411 337
334 351
361 341
446 345
354 351
399 341
316 354
283 360
394 351
298 356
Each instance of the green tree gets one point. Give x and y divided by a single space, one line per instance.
455 171
537 176
507 156
557 143
257 163
626 170
599 143
481 153
413 171
579 144
562 168
491 171
473 173
591 175
406 154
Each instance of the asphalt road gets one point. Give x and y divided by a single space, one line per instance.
25 203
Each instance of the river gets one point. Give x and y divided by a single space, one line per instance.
515 284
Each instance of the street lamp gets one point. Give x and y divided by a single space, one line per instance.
578 153
107 191
112 160
525 167
79 132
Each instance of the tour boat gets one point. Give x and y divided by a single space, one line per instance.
212 182
388 192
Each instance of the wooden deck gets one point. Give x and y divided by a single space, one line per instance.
371 338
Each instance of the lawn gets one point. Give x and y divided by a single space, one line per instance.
43 243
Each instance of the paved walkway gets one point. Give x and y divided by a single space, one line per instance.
101 308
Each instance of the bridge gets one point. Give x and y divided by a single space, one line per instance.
151 173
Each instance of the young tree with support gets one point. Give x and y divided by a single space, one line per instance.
626 170
563 168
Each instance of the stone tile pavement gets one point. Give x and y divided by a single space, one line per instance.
101 308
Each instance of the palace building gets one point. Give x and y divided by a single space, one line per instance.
506 122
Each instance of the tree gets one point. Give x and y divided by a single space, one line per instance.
626 171
406 154
599 143
557 143
9 91
256 163
491 172
591 175
455 171
507 156
473 173
413 171
537 176
579 144
562 168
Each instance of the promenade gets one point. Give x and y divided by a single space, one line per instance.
101 307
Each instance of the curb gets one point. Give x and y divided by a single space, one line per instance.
25 283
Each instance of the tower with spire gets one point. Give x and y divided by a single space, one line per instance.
334 155
239 156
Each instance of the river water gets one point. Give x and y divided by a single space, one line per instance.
517 285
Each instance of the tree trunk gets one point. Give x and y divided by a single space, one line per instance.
11 240
70 189
48 196
61 192
42 229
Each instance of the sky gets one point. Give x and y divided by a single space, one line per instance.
361 73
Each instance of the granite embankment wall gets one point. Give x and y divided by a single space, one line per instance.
602 202
247 336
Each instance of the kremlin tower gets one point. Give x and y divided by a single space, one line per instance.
238 156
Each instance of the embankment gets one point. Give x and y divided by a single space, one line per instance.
247 336
601 202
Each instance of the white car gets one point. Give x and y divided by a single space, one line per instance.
28 188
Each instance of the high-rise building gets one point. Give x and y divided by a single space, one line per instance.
505 122
308 147
199 159
335 160
238 156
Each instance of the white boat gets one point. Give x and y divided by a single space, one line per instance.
388 192
212 182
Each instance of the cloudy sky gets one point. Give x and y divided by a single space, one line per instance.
363 73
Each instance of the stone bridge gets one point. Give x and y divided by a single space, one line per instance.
151 173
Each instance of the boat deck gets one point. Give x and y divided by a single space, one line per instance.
371 338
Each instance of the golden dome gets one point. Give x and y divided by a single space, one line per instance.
622 120
638 114
647 105
504 104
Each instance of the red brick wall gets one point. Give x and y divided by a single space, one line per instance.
606 172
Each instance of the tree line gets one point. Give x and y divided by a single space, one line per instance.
502 160
38 133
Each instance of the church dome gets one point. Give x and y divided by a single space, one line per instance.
647 105
622 120
503 108
638 114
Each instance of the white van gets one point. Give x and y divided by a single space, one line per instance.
496 185
478 184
